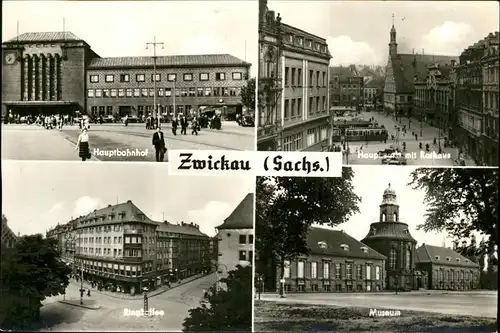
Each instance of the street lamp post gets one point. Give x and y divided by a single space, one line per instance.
154 44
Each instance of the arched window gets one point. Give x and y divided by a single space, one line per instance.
392 259
408 257
395 217
383 217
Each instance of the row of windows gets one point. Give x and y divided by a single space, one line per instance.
447 275
316 135
142 110
293 77
299 41
103 265
293 107
165 92
187 77
338 287
313 270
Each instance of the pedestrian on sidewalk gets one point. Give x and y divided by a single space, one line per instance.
175 124
194 126
159 144
83 145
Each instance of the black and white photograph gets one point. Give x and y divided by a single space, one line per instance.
393 83
378 250
92 247
96 80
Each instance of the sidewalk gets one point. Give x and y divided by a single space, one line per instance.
140 295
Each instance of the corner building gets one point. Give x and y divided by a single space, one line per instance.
120 247
58 72
293 87
391 237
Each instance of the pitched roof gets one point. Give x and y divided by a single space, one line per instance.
389 230
437 255
242 215
328 242
407 66
169 61
341 71
375 83
132 212
44 37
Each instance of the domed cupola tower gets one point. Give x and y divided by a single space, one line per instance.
391 237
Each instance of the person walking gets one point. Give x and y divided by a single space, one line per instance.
184 125
83 144
194 126
159 144
175 124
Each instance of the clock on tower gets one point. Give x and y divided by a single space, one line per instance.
10 58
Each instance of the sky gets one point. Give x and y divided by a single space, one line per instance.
122 28
357 32
370 183
38 195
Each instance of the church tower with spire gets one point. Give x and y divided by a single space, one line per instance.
393 45
391 237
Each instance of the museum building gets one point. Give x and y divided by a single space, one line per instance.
337 263
57 72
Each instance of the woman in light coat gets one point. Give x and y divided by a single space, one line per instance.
83 144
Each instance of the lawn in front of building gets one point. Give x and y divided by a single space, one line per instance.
273 316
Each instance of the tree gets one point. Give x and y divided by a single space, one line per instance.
286 207
248 94
226 309
461 201
31 271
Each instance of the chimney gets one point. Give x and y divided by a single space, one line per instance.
109 206
129 201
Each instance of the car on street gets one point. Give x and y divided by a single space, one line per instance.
397 160
131 119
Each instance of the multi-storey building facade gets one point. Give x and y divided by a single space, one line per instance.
372 90
125 86
491 97
337 263
121 246
391 237
346 87
401 72
446 269
477 100
294 99
434 94
235 237
59 73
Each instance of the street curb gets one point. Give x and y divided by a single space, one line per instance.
141 296
89 307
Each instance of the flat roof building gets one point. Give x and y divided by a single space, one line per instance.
58 72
